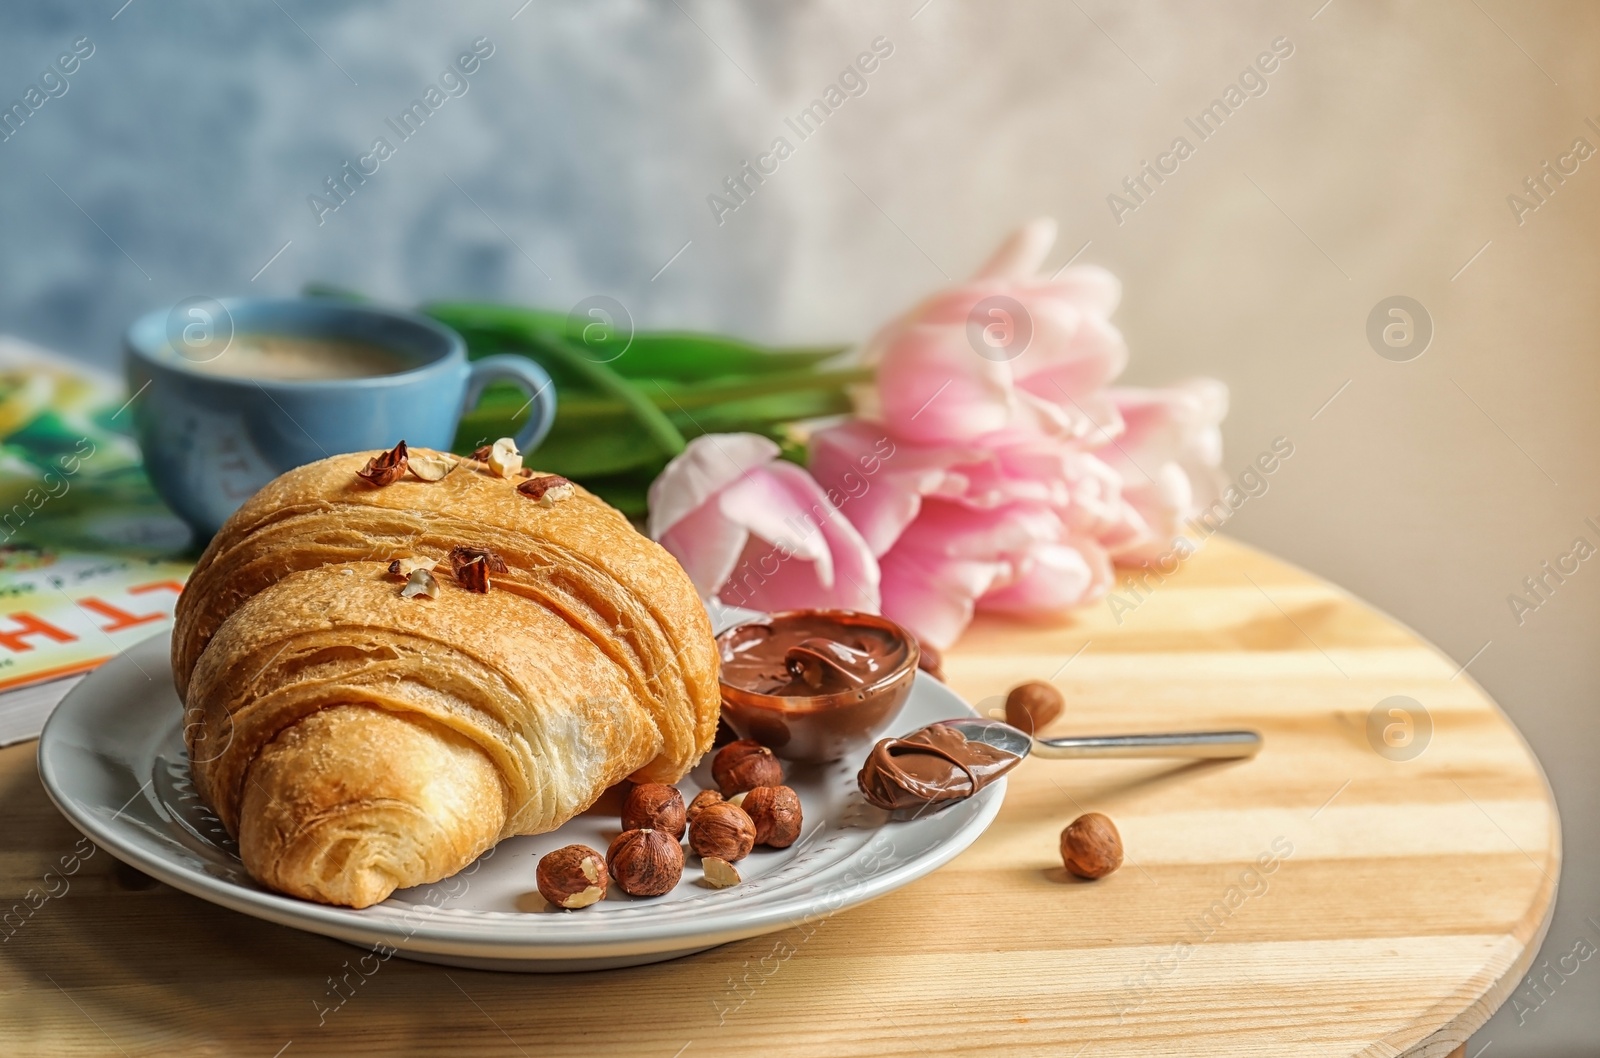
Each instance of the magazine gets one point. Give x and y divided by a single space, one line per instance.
91 561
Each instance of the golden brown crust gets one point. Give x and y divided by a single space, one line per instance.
590 659
320 792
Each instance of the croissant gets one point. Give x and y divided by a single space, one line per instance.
356 741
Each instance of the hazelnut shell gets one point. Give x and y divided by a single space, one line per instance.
724 831
701 800
1032 705
1091 847
654 806
744 765
645 862
775 811
573 876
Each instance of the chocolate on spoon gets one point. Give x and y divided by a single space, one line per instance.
951 760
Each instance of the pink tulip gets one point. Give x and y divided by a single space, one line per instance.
757 531
1006 350
1023 525
1168 457
994 467
990 397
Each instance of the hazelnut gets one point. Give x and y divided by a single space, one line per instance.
929 660
1091 847
775 811
1032 705
701 800
645 862
723 831
719 873
744 765
572 877
654 806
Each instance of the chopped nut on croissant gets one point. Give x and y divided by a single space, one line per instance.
474 576
472 566
420 582
385 469
461 555
404 567
431 468
547 489
504 459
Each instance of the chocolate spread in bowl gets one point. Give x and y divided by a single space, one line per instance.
797 655
815 684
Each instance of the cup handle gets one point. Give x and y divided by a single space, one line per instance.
526 376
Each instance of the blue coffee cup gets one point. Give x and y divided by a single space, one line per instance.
212 439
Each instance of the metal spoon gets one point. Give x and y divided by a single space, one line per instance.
1193 744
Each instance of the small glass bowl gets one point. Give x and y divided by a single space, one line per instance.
822 727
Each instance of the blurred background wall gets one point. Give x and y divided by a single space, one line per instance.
1378 161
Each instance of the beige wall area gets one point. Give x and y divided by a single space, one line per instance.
1377 162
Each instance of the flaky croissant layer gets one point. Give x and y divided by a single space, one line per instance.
357 741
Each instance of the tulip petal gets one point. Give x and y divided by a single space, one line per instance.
707 545
879 483
1088 286
783 506
1052 579
934 387
710 463
1169 457
1073 356
934 597
949 530
820 559
1024 250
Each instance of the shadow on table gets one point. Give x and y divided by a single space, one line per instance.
1153 776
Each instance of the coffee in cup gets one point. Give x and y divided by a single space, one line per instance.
301 358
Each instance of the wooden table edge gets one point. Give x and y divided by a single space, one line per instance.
1450 1039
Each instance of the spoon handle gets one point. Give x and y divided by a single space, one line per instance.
1192 744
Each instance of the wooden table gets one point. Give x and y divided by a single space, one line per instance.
1406 897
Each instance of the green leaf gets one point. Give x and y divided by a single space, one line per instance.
756 415
682 356
550 350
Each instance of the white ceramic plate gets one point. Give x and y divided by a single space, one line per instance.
112 759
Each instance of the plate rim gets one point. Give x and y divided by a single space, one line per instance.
435 937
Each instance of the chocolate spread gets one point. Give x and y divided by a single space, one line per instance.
930 766
807 654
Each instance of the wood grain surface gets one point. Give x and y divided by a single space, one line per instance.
1404 899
